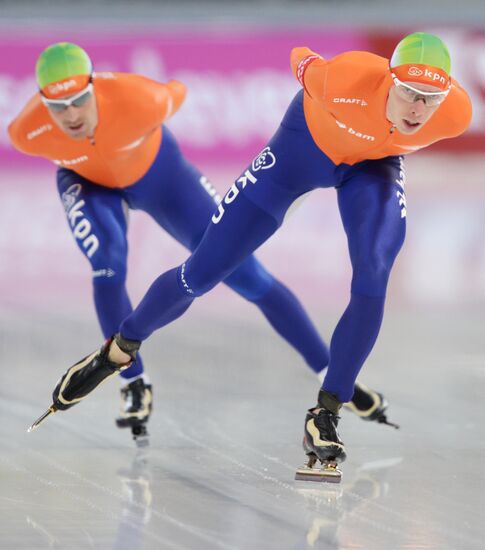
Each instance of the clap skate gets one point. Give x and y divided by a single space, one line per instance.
369 405
321 442
86 375
136 407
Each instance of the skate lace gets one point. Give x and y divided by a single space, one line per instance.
326 422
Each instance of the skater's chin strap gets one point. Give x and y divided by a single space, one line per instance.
130 347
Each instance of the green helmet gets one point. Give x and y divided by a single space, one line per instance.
60 62
421 48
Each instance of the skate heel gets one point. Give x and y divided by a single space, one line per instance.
331 453
136 407
328 471
140 435
369 405
138 430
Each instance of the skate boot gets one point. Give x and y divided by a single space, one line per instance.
322 442
86 375
369 405
136 407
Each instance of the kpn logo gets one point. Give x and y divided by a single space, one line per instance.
414 71
60 87
427 73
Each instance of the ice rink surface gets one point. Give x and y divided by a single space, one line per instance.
229 396
230 400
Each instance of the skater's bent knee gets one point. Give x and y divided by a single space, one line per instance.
250 280
109 275
194 286
371 280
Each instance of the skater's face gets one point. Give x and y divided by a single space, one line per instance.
77 114
408 109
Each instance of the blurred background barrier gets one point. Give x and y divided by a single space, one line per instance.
239 85
239 80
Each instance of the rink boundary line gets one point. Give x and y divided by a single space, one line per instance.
52 540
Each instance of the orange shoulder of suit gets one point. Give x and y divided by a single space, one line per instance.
345 107
131 109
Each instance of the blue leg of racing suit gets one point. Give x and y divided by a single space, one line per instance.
369 196
176 195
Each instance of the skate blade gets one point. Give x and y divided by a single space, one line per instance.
51 410
142 441
328 473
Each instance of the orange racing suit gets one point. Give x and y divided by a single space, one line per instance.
127 137
345 108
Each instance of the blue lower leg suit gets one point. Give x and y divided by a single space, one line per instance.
181 200
371 203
